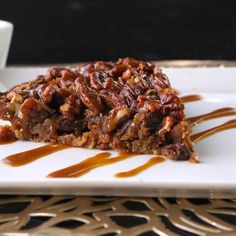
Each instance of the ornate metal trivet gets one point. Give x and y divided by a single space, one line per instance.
33 215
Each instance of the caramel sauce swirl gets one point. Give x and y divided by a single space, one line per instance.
191 98
206 133
222 112
89 164
23 158
151 162
80 168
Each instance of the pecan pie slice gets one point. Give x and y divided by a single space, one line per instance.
126 105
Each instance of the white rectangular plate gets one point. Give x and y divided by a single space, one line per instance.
215 176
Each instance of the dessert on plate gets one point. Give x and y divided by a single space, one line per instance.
128 106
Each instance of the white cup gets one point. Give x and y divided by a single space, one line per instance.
6 29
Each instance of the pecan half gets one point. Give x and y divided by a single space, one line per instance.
89 97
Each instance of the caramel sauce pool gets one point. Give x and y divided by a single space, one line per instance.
89 164
151 162
23 158
206 133
191 98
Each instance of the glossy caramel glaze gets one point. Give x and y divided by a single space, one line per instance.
23 158
222 112
206 133
191 98
89 164
151 162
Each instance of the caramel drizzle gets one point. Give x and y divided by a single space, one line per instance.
151 162
23 158
89 164
191 98
206 133
222 112
3 142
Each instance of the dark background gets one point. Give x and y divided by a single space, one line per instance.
57 31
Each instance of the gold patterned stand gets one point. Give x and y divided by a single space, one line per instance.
166 63
73 215
54 215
